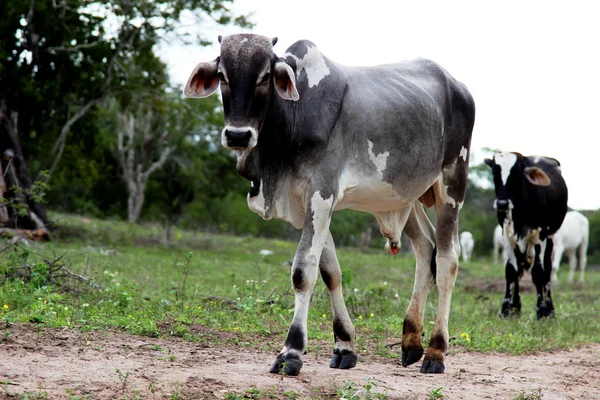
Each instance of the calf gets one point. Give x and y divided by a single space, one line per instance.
574 233
531 203
466 243
313 136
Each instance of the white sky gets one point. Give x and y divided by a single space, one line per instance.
533 67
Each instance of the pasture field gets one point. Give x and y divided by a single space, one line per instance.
219 292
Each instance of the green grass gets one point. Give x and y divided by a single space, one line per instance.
219 289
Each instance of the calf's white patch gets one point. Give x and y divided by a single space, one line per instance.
313 63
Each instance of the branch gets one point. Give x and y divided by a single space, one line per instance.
159 163
73 49
59 145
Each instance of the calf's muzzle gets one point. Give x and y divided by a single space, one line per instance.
238 138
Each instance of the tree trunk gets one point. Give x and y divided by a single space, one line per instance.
15 163
168 232
135 204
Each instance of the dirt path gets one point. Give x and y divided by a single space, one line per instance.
66 362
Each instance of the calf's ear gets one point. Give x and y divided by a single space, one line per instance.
204 81
285 81
536 176
489 162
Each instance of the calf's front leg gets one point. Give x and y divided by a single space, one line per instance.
304 276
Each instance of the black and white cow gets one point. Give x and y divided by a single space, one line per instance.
531 203
313 136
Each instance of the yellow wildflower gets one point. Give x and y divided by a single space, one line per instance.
360 317
324 315
235 329
6 307
372 315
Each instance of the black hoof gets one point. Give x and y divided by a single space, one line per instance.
545 313
343 360
432 367
287 364
411 356
336 360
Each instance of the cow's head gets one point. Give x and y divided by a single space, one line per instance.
509 172
248 72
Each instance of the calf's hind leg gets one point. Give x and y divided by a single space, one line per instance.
344 354
421 233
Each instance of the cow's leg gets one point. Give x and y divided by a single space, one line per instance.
344 354
572 263
421 233
582 259
304 276
540 274
512 299
556 258
496 251
546 248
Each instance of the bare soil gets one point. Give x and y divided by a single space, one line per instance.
69 364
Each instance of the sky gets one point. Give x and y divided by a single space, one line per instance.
533 67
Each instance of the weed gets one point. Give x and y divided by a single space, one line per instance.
353 391
234 396
291 395
34 395
536 394
435 394
123 378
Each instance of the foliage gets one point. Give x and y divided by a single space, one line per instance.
435 394
534 395
354 391
60 60
18 201
594 244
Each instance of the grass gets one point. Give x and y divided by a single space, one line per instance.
219 289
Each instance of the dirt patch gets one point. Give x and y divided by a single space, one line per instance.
67 362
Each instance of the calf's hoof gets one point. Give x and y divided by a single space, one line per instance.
432 367
411 356
287 364
343 359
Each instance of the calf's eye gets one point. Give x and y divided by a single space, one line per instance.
265 78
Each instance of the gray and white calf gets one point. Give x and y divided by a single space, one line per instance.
313 137
531 203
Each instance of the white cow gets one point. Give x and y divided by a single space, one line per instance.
499 244
467 243
574 233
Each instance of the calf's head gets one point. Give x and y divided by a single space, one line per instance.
248 72
511 175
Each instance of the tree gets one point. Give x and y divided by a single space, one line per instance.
138 138
59 60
